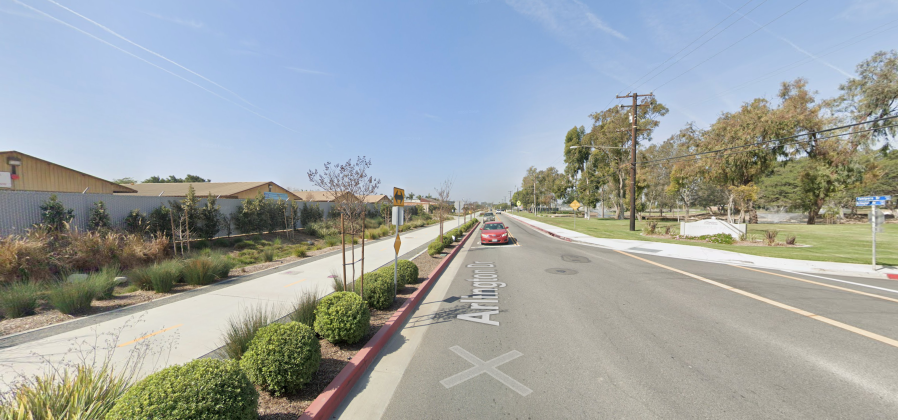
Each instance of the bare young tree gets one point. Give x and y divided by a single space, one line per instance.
443 192
347 185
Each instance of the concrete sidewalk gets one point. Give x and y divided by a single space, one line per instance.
190 328
698 253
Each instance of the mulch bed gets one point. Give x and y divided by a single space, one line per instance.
335 357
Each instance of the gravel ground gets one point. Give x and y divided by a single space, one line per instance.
335 357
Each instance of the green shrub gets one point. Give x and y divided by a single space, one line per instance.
204 389
221 243
342 317
379 290
19 299
244 245
332 240
54 215
435 248
72 298
222 265
80 392
268 254
300 251
407 273
243 327
198 271
159 277
447 240
98 217
103 282
304 309
282 358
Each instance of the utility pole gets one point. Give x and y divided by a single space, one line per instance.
633 122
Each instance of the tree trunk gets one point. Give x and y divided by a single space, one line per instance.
730 207
814 212
752 213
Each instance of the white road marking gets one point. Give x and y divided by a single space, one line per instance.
488 368
842 281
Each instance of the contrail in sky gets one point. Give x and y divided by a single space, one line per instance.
150 63
792 44
148 50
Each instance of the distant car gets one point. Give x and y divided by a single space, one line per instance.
488 217
498 211
493 233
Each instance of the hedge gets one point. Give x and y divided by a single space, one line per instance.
342 317
204 389
282 358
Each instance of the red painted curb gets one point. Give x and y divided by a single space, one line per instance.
336 391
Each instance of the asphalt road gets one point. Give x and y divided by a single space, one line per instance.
585 332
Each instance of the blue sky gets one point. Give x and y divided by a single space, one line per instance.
474 90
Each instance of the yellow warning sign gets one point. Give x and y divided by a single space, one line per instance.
396 244
398 196
575 205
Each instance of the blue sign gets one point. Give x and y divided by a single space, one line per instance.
866 203
875 198
276 196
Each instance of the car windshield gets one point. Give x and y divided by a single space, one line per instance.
493 226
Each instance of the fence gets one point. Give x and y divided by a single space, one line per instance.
20 210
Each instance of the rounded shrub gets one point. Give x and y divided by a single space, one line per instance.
435 248
447 240
282 358
202 389
379 288
408 272
342 317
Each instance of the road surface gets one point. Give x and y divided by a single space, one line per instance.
583 332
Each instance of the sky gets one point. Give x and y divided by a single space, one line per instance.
475 91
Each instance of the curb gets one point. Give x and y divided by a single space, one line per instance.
329 399
887 276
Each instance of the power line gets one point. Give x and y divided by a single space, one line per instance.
684 158
783 138
731 45
707 40
830 50
687 46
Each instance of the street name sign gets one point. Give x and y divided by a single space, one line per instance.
874 198
866 203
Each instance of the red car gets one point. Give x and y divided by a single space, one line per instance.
493 233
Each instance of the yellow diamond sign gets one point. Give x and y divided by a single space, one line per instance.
396 244
575 205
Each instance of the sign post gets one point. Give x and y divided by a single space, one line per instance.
399 204
876 221
575 205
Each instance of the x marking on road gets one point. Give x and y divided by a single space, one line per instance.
488 368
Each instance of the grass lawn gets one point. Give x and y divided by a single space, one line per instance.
837 243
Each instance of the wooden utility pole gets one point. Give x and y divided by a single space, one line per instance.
633 123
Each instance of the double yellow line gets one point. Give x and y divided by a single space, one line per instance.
846 327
